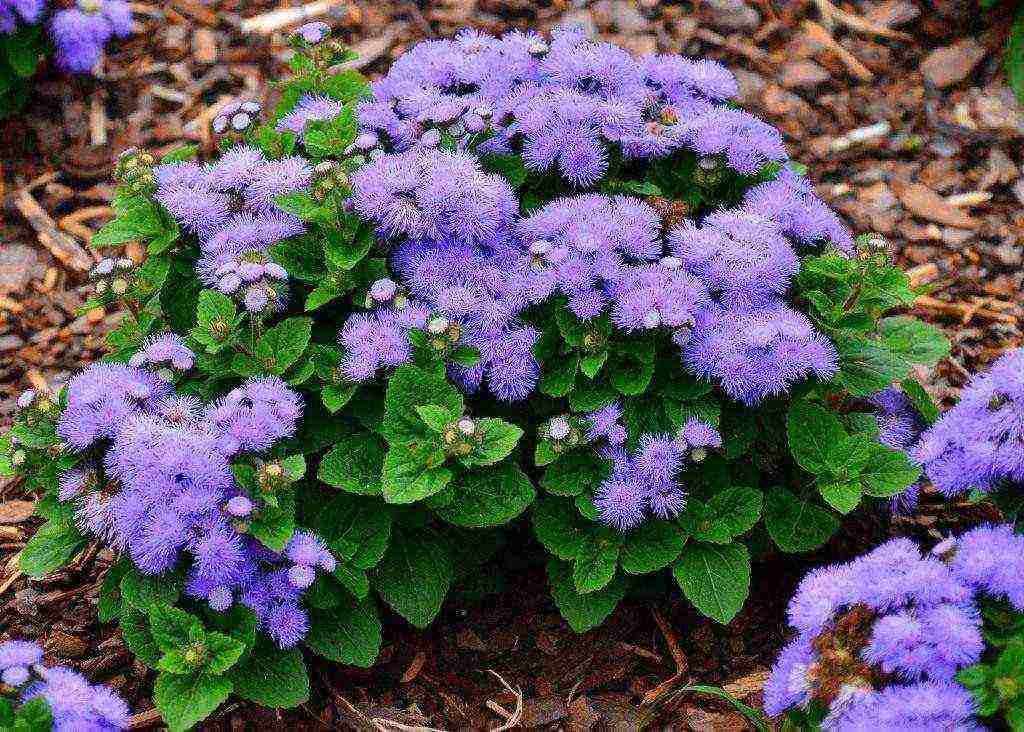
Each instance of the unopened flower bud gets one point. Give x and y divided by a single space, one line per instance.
430 138
438 324
273 470
119 286
558 428
466 426
652 319
18 458
383 289
26 398
239 506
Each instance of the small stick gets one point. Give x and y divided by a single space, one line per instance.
145 719
822 36
516 716
67 251
278 19
830 13
97 120
971 198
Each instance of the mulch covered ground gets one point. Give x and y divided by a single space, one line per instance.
897 107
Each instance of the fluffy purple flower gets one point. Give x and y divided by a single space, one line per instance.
80 32
313 33
605 422
790 202
758 353
990 559
979 443
75 704
747 143
789 684
14 12
742 257
433 193
102 398
378 340
920 707
165 349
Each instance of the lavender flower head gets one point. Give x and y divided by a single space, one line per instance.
881 639
80 32
15 12
979 443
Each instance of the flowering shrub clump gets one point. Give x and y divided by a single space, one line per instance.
76 31
512 278
55 698
897 640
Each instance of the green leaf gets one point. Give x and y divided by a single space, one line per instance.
582 611
349 633
715 578
34 715
345 249
144 591
184 701
281 345
724 517
224 651
357 530
922 400
591 365
499 439
275 525
796 525
651 546
271 676
354 464
138 219
409 387
867 366
51 547
414 576
1013 57
174 629
488 497
576 473
888 472
559 527
336 396
109 605
594 566
354 580
916 341
812 431
138 637
435 417
412 473
632 368
843 496
216 320
558 376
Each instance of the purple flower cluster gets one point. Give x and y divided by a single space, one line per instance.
647 481
166 490
79 32
880 639
560 105
76 704
979 443
461 248
230 206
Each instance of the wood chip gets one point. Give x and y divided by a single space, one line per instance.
16 512
67 251
922 201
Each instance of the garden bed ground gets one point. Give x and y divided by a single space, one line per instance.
899 111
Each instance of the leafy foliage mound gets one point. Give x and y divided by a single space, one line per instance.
515 283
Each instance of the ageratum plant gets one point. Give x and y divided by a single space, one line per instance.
900 640
514 282
74 32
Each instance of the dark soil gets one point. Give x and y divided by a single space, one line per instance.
897 107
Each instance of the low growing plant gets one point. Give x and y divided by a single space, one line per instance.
513 278
73 33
